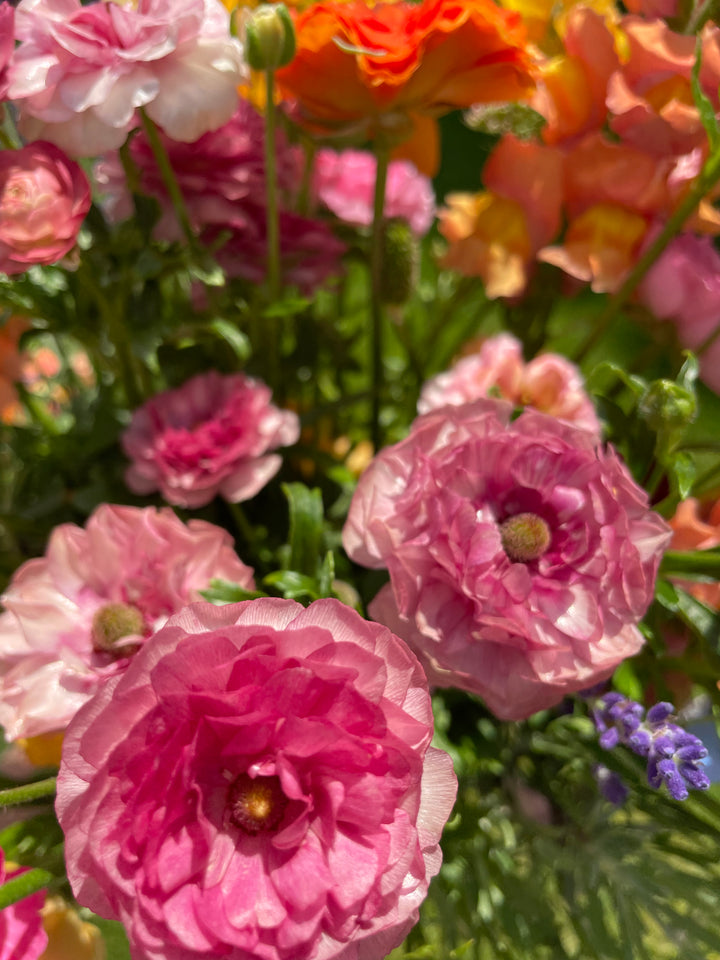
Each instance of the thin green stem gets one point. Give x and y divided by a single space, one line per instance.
241 522
169 179
32 881
705 181
17 796
303 200
273 223
376 311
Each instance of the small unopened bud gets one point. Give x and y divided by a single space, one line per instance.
398 271
269 37
113 622
666 405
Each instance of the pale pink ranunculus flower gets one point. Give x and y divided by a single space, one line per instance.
7 44
549 383
213 435
521 554
259 783
683 286
80 73
44 197
345 183
75 616
22 935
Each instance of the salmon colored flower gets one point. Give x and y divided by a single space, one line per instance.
496 234
696 526
386 70
11 362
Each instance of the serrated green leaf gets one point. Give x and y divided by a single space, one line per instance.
703 103
293 585
306 527
220 592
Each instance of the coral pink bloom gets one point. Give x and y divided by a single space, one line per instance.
496 234
22 936
259 783
81 72
696 526
521 554
549 383
44 197
650 96
683 286
210 436
75 615
345 183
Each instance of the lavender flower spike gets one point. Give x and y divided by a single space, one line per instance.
674 756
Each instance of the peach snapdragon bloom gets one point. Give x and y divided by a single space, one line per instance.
11 365
496 233
696 526
389 70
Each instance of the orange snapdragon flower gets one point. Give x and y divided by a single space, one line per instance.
389 70
11 361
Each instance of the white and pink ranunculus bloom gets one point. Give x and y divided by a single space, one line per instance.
213 435
22 935
345 182
44 198
521 554
259 783
75 616
549 383
80 73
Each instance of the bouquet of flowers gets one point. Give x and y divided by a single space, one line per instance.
359 480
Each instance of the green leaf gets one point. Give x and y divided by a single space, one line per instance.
113 932
223 591
293 585
683 470
700 618
306 527
236 340
327 575
703 103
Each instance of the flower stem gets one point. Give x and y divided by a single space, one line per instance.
704 182
303 198
273 226
169 179
32 881
17 796
376 366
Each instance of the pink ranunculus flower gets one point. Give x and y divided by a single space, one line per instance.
22 935
74 616
7 44
683 286
549 383
80 72
521 554
259 783
210 436
218 174
345 183
44 197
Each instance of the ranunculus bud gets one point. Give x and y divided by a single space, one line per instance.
269 37
114 622
667 405
399 261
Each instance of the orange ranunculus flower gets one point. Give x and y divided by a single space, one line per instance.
379 70
11 361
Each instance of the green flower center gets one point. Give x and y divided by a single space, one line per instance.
113 622
525 537
256 805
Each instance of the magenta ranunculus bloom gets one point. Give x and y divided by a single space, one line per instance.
44 197
521 554
81 72
258 784
22 935
210 436
345 183
75 616
549 383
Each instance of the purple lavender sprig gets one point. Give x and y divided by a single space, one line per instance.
673 755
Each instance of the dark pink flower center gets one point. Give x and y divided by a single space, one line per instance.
525 537
113 622
256 805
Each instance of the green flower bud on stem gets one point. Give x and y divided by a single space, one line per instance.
269 37
398 272
666 405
